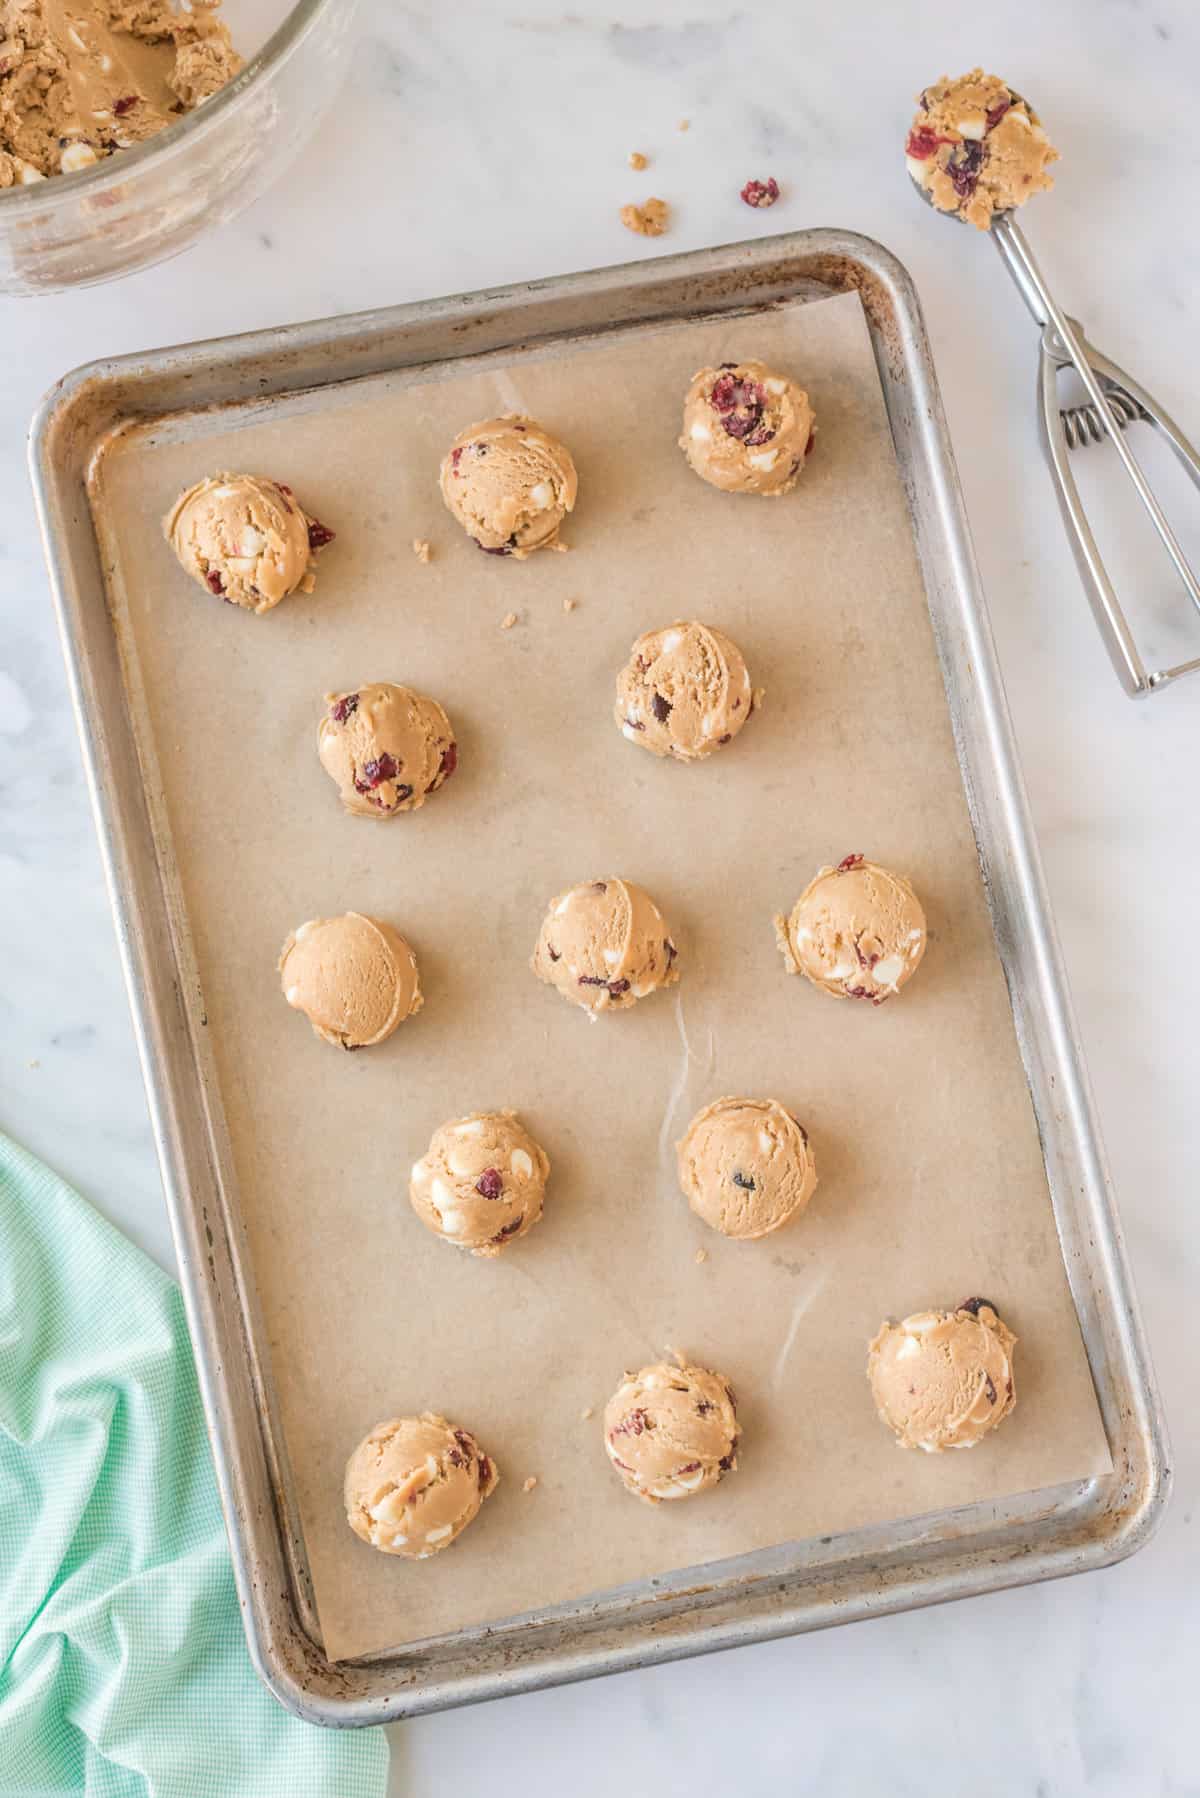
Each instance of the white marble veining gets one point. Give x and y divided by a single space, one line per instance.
482 145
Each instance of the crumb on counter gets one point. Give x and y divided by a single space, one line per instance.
637 160
649 220
559 547
685 125
569 605
701 1256
761 193
421 550
508 620
586 1413
530 1483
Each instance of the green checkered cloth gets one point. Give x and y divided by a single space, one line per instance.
123 1669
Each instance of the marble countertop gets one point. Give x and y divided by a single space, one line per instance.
483 145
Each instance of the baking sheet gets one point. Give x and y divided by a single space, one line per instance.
932 1185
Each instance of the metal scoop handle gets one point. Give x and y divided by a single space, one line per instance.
1065 346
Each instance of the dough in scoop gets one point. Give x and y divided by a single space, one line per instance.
976 148
386 747
747 429
355 978
482 1181
943 1379
684 692
671 1432
746 1166
857 931
510 484
414 1484
604 945
246 539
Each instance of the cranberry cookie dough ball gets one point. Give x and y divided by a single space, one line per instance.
943 1379
415 1483
671 1432
747 429
976 148
354 978
246 539
482 1181
387 748
604 945
510 484
684 692
857 931
746 1166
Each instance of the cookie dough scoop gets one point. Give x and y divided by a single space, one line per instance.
943 1379
747 429
482 1181
977 151
245 538
746 1166
684 692
510 484
604 945
354 978
857 931
671 1431
414 1484
387 748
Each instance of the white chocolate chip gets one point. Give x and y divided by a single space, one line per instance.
251 542
972 128
453 1223
431 1466
305 928
390 1508
842 971
420 1172
627 730
765 1143
701 433
910 1346
442 1195
474 1128
764 459
542 495
458 1164
888 971
775 386
439 1535
241 564
920 170
521 1163
671 641
292 995
562 905
690 1481
612 957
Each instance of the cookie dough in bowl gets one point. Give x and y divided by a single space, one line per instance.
354 978
747 429
482 1181
604 945
414 1484
943 1379
387 748
684 692
510 484
246 539
746 1166
857 931
671 1431
976 148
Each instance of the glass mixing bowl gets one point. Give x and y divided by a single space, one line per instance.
146 203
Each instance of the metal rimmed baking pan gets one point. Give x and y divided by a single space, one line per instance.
777 1590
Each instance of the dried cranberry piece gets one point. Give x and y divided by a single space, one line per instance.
963 169
456 1457
725 1463
738 404
455 459
592 980
466 1443
634 1423
757 438
490 1183
214 582
617 987
508 1230
743 1180
623 1465
728 737
923 142
125 104
671 950
858 992
635 724
974 1306
662 708
847 862
505 549
379 768
704 1406
761 193
990 1388
996 113
552 952
866 960
688 1467
812 438
599 886
731 1395
485 1473
449 761
319 535
343 707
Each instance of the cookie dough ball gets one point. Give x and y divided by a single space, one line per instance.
746 1166
482 1181
976 148
510 484
684 692
354 978
386 747
415 1483
943 1379
605 945
746 429
246 539
671 1432
856 931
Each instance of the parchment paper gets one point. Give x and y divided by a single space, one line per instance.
931 1181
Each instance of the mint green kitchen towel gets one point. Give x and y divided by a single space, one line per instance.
123 1669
